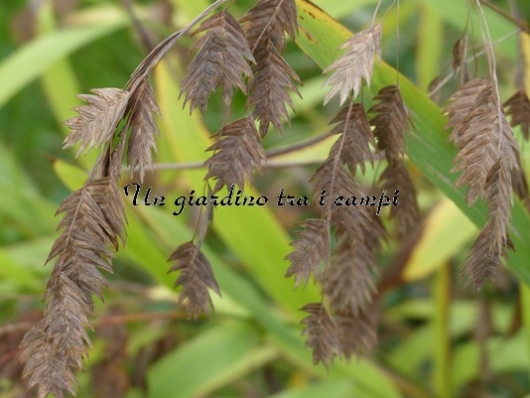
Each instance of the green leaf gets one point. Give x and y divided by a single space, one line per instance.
430 45
212 360
445 231
335 389
455 12
31 60
16 274
507 355
59 81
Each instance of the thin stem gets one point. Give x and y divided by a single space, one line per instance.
448 77
297 146
398 43
274 164
523 25
493 68
376 11
269 163
154 57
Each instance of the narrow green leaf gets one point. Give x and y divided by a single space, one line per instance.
17 274
59 81
12 174
207 362
335 389
430 43
455 12
509 356
31 60
445 232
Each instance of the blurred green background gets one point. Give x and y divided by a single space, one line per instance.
436 338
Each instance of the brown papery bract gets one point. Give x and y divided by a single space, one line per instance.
357 333
396 177
350 281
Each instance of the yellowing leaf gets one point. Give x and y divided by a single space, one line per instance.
447 229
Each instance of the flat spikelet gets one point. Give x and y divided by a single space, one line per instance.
98 120
222 59
196 277
268 20
480 133
322 334
357 333
354 149
518 108
265 25
349 283
396 177
311 249
143 129
391 123
237 153
355 63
